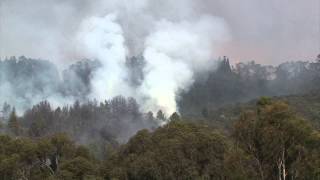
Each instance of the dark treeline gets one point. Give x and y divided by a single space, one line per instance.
89 123
304 105
269 141
244 81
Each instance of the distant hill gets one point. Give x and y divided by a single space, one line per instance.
246 81
304 105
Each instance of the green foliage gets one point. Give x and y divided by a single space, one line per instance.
161 116
16 156
306 106
37 128
174 117
46 158
13 124
78 168
268 139
263 101
278 140
179 150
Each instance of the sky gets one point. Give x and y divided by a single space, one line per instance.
267 31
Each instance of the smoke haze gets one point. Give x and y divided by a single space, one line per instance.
177 38
268 31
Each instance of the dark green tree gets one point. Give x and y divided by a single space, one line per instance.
279 141
178 150
13 123
161 116
174 117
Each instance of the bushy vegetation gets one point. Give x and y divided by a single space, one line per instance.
179 150
92 123
283 145
55 157
267 141
304 105
270 142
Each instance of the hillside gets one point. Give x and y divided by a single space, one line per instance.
305 105
243 82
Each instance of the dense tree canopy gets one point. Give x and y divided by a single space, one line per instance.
56 157
178 150
282 143
269 141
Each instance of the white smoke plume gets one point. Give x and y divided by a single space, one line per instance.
177 38
173 51
102 38
175 43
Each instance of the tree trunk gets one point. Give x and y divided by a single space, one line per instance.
284 172
260 168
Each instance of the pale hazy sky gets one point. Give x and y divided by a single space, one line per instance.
268 31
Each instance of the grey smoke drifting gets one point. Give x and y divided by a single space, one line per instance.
177 38
267 31
173 49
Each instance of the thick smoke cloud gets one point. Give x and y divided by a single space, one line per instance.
174 51
102 38
268 31
177 38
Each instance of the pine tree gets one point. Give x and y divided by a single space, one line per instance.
13 123
161 116
175 117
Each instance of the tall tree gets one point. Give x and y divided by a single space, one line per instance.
161 116
277 139
13 123
174 117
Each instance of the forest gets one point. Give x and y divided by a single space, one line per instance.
242 121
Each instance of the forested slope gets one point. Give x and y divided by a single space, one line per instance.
306 106
267 140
